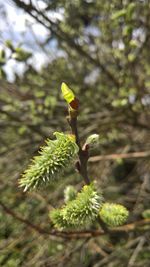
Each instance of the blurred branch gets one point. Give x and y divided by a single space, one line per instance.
75 234
34 128
83 153
136 251
142 154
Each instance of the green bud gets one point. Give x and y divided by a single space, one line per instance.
92 139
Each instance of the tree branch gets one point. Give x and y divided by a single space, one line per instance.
83 152
76 234
142 154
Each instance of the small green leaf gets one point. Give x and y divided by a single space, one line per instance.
130 10
118 14
21 55
9 44
67 93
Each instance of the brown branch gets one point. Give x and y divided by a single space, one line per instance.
142 154
75 234
136 251
83 157
19 218
83 152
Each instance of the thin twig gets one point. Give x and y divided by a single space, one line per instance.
142 154
83 153
76 234
83 157
136 251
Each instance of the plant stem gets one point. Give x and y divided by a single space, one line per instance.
83 157
83 153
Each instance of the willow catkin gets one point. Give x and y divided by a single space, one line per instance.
113 214
80 211
51 162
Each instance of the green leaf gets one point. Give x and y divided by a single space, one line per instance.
67 93
21 55
118 14
130 10
9 44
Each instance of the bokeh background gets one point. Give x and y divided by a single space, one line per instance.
101 50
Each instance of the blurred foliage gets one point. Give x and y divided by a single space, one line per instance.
11 52
105 59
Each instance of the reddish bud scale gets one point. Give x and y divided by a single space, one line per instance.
74 103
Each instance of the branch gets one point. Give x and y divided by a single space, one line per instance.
76 234
83 152
25 221
142 154
136 251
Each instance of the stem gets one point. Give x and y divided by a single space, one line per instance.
83 157
83 153
77 234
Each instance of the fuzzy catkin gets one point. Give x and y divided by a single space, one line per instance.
85 207
59 221
79 212
113 214
54 157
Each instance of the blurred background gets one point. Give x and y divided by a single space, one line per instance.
101 49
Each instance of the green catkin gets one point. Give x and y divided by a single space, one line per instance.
85 207
80 211
58 219
113 214
54 158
